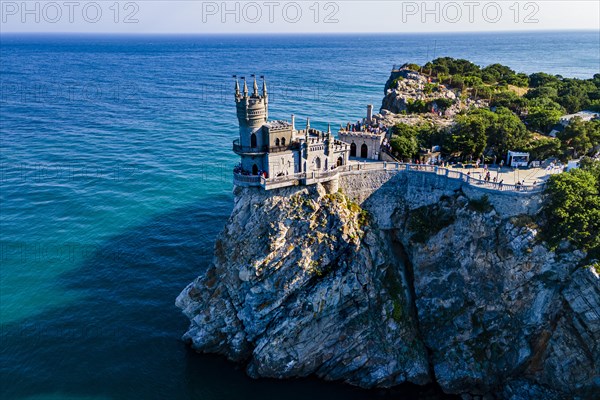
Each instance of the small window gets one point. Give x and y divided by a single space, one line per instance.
277 142
283 141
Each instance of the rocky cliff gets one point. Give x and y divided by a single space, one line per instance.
405 88
383 283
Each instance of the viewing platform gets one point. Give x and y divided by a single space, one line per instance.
260 150
325 176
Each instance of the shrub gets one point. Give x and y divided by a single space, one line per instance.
481 205
571 210
426 221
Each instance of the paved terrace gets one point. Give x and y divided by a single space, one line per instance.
534 178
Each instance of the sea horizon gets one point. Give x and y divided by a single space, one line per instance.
116 171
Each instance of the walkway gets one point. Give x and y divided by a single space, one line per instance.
534 178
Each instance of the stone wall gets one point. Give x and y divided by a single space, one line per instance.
380 189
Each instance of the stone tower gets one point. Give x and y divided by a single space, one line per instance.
252 113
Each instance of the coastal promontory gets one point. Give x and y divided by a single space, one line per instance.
398 278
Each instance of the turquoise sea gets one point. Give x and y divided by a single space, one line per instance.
115 179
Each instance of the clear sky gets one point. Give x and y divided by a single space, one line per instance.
347 16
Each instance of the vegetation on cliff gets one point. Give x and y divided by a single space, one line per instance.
572 208
518 112
496 80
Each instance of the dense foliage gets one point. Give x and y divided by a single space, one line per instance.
404 141
407 140
522 111
571 95
572 208
579 137
483 130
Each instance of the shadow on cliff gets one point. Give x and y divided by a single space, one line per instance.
121 338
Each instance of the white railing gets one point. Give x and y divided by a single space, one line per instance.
246 178
390 167
265 182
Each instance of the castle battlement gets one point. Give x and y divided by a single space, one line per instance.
270 149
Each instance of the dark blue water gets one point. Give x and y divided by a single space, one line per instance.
115 180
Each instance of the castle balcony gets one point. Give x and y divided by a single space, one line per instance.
247 150
279 149
247 180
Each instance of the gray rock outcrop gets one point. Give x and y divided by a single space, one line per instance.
380 284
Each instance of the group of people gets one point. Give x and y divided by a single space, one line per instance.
362 126
241 171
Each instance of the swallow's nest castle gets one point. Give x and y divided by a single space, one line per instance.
275 153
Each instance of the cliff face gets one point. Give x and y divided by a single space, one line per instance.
404 287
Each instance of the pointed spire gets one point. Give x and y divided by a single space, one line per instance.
237 86
306 131
329 129
255 87
245 87
264 86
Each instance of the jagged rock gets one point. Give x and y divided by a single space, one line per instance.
304 282
300 287
405 86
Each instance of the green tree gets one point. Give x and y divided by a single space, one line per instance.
404 141
520 80
572 208
429 135
543 113
510 100
507 133
543 148
542 91
579 137
469 136
542 79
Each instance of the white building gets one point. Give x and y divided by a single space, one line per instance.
517 159
365 140
584 115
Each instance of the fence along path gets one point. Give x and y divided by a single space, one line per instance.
314 177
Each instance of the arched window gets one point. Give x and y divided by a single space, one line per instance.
353 150
317 163
340 161
253 140
326 164
364 151
277 142
283 141
254 168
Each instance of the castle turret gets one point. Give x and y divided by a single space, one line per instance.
254 87
252 113
306 135
264 87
